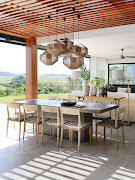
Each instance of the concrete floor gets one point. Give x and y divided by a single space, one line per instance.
29 160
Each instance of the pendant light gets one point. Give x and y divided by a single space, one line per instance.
66 41
56 48
46 57
73 61
79 49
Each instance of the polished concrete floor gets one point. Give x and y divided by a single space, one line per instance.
29 160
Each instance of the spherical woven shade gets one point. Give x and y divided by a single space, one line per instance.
68 43
72 61
79 50
56 48
48 59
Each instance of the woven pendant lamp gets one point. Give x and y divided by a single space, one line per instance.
79 49
56 48
46 57
66 41
72 61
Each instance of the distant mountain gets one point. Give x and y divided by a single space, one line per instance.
7 74
58 76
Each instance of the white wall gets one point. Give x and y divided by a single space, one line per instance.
99 67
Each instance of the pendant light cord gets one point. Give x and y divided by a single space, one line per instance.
56 22
49 27
64 25
73 23
78 27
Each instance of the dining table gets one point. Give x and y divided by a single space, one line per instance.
87 111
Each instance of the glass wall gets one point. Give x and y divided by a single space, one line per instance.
129 73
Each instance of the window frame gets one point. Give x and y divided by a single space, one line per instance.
123 70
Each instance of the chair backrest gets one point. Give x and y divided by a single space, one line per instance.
13 106
18 100
27 107
51 110
121 111
71 111
105 102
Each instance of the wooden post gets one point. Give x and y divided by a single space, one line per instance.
31 68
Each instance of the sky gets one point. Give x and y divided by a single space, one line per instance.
13 59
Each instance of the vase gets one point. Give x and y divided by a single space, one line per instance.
93 91
86 87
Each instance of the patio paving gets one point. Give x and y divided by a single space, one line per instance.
29 160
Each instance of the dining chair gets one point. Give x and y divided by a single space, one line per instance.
70 131
74 125
32 119
16 117
51 122
30 113
114 124
103 116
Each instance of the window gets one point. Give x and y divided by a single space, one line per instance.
129 73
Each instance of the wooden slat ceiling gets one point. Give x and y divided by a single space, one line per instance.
29 18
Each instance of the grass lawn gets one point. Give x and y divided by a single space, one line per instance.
8 99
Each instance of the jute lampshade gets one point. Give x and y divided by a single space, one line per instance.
79 50
48 59
72 61
56 48
68 43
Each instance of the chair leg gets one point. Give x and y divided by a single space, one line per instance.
19 130
36 128
79 139
111 131
50 132
24 130
58 133
90 134
61 137
96 132
42 133
71 136
7 127
104 133
123 134
14 124
37 132
33 129
117 138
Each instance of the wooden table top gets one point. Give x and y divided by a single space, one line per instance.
85 107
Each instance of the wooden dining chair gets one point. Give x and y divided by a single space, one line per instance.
30 113
74 125
32 119
16 117
114 124
51 122
103 116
